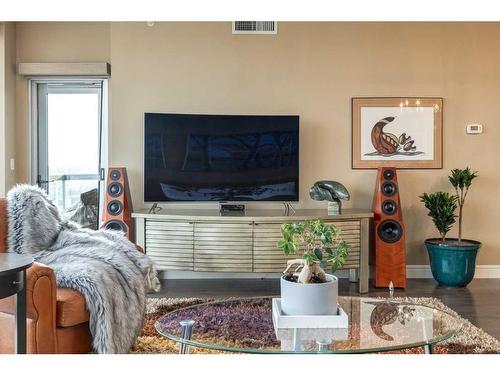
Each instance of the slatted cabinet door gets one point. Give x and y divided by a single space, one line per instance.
351 233
223 247
268 258
170 244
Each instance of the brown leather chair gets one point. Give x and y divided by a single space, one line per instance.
58 321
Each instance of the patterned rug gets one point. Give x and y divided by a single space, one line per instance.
470 340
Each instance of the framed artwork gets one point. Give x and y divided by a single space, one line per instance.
397 132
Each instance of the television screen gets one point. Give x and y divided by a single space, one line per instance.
220 158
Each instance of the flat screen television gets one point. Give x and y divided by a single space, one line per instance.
220 158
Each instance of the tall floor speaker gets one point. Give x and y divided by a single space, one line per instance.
390 236
117 211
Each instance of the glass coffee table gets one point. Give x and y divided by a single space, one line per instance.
245 325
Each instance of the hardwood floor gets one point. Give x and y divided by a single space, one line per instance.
479 302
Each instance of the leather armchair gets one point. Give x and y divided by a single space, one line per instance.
58 321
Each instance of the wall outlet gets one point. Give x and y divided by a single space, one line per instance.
12 164
474 129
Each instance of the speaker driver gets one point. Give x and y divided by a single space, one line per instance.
389 188
390 231
389 207
115 175
388 174
115 207
115 189
115 225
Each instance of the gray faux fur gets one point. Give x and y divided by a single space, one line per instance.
102 265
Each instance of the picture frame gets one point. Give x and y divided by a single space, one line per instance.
400 132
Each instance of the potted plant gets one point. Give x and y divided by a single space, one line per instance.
309 290
453 260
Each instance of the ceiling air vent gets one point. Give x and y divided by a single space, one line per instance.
255 27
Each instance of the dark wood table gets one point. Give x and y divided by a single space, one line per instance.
12 282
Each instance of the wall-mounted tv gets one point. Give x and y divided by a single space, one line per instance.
220 158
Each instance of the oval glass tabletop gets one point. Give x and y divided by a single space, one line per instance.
245 325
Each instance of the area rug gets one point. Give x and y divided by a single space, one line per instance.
470 340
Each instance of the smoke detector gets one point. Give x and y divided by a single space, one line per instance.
255 27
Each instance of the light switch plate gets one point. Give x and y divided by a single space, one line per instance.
474 129
12 164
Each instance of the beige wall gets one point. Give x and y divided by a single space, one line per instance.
2 109
52 42
310 69
7 104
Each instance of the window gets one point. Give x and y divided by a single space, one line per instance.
67 139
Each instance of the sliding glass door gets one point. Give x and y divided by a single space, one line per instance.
68 146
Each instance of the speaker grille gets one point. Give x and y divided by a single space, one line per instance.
390 231
115 175
115 207
389 207
116 225
389 188
115 189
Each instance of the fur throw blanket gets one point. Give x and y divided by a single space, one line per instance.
103 265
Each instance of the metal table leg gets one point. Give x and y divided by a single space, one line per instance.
186 332
323 345
428 349
20 318
297 343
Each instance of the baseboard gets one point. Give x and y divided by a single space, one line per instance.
419 271
229 275
423 271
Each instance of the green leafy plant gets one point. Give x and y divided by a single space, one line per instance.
321 245
461 180
441 206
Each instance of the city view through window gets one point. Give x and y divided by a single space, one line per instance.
73 146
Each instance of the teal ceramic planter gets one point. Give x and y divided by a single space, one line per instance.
452 264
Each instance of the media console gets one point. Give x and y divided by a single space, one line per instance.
205 241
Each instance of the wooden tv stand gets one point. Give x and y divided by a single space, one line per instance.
204 241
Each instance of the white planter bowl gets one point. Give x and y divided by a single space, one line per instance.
310 299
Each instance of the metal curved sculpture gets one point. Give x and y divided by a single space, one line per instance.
331 191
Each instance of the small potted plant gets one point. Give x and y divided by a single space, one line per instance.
453 260
309 290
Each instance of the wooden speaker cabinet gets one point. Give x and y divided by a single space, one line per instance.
117 211
390 235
